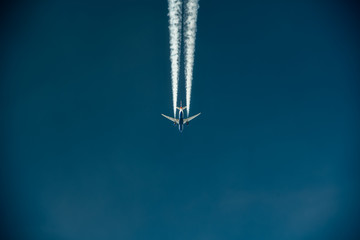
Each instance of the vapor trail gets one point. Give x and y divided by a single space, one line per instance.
175 9
191 10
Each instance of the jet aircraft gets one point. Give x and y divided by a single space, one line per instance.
181 121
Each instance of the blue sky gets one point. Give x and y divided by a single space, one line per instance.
87 155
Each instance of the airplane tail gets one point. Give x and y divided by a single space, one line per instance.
183 108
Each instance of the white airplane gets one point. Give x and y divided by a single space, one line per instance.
181 121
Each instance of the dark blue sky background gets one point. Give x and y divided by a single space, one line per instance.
87 155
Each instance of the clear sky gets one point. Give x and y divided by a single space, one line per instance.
86 154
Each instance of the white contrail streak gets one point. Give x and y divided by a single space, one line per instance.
191 10
175 9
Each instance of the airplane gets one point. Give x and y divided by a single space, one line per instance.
181 121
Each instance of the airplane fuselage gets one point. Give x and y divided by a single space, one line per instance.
181 120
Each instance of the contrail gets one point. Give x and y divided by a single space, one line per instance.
175 12
191 10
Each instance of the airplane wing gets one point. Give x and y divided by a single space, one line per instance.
187 120
174 120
